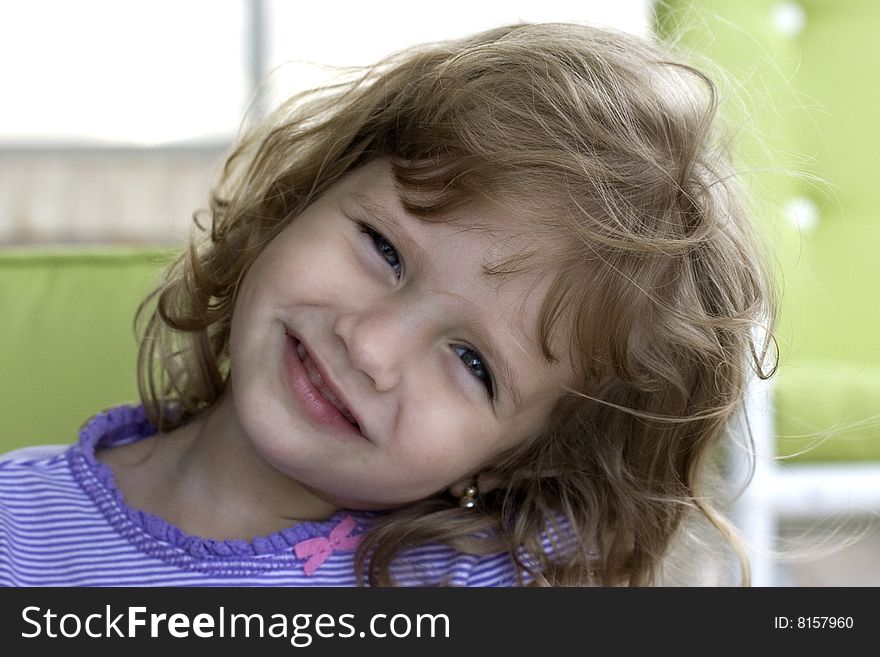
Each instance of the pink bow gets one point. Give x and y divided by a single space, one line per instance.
318 549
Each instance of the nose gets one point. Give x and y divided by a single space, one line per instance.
383 340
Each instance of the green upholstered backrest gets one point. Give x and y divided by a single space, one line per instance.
808 73
67 343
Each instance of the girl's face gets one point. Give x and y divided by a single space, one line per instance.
372 359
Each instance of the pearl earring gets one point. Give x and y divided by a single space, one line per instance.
468 499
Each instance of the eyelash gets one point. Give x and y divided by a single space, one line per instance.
486 379
377 238
385 248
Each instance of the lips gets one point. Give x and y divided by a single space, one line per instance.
315 391
317 379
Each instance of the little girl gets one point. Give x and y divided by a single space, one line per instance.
480 317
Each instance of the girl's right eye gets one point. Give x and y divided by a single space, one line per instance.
384 248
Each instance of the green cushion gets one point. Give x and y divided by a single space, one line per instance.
66 328
810 108
828 411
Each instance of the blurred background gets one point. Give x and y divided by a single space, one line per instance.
116 118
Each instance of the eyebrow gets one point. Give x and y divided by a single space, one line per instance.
381 214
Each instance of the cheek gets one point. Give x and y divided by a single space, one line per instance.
297 270
318 271
445 440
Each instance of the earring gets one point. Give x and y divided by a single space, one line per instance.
468 499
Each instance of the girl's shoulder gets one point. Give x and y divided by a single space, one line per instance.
438 564
117 426
44 470
27 471
32 455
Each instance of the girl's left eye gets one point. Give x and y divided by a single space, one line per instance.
474 362
385 249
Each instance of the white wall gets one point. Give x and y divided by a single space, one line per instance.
116 115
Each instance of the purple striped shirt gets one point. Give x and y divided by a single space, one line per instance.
64 523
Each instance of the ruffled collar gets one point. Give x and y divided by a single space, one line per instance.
126 424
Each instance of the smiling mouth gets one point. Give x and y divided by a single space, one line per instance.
318 381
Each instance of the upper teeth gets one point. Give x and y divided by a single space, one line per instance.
316 378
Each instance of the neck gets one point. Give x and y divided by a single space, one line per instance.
206 478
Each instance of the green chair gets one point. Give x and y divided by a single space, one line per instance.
807 71
66 330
